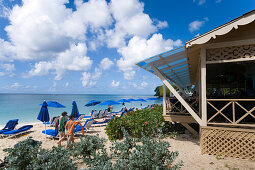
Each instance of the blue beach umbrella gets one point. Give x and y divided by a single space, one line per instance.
140 100
152 99
109 102
131 100
44 114
75 111
123 100
92 103
54 104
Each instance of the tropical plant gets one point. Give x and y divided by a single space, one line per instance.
28 154
56 158
146 122
152 153
23 154
131 153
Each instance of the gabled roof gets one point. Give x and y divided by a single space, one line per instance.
223 29
174 64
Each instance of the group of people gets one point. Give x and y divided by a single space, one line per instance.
64 127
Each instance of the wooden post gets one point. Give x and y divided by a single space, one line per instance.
164 99
176 94
203 86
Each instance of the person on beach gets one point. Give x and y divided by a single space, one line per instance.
61 127
110 108
70 134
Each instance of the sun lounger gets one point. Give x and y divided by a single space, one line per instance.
80 117
100 114
112 114
103 123
105 113
52 123
93 115
86 126
10 125
51 133
21 130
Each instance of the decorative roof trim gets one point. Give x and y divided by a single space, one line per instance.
223 29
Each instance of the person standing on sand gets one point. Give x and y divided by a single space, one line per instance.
61 127
70 133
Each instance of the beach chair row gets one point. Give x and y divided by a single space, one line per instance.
9 129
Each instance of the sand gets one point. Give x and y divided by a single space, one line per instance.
186 144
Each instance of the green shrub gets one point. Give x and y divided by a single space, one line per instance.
23 154
146 122
28 154
153 153
129 154
56 158
90 148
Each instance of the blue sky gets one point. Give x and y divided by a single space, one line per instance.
61 46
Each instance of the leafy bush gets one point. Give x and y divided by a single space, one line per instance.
23 154
150 153
131 153
56 158
91 149
28 154
146 122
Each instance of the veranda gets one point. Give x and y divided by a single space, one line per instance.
220 65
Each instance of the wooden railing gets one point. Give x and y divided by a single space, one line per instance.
233 112
174 106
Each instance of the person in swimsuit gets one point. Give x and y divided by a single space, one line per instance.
61 127
69 125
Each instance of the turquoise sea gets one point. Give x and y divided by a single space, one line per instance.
25 107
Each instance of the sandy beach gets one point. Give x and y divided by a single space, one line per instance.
186 144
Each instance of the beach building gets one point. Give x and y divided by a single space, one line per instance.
220 65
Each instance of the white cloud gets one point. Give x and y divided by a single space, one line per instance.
200 2
106 63
15 85
4 10
55 38
18 86
54 85
133 84
195 25
139 49
40 69
197 35
73 59
144 84
90 79
161 24
130 21
7 69
141 85
115 83
7 50
67 84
